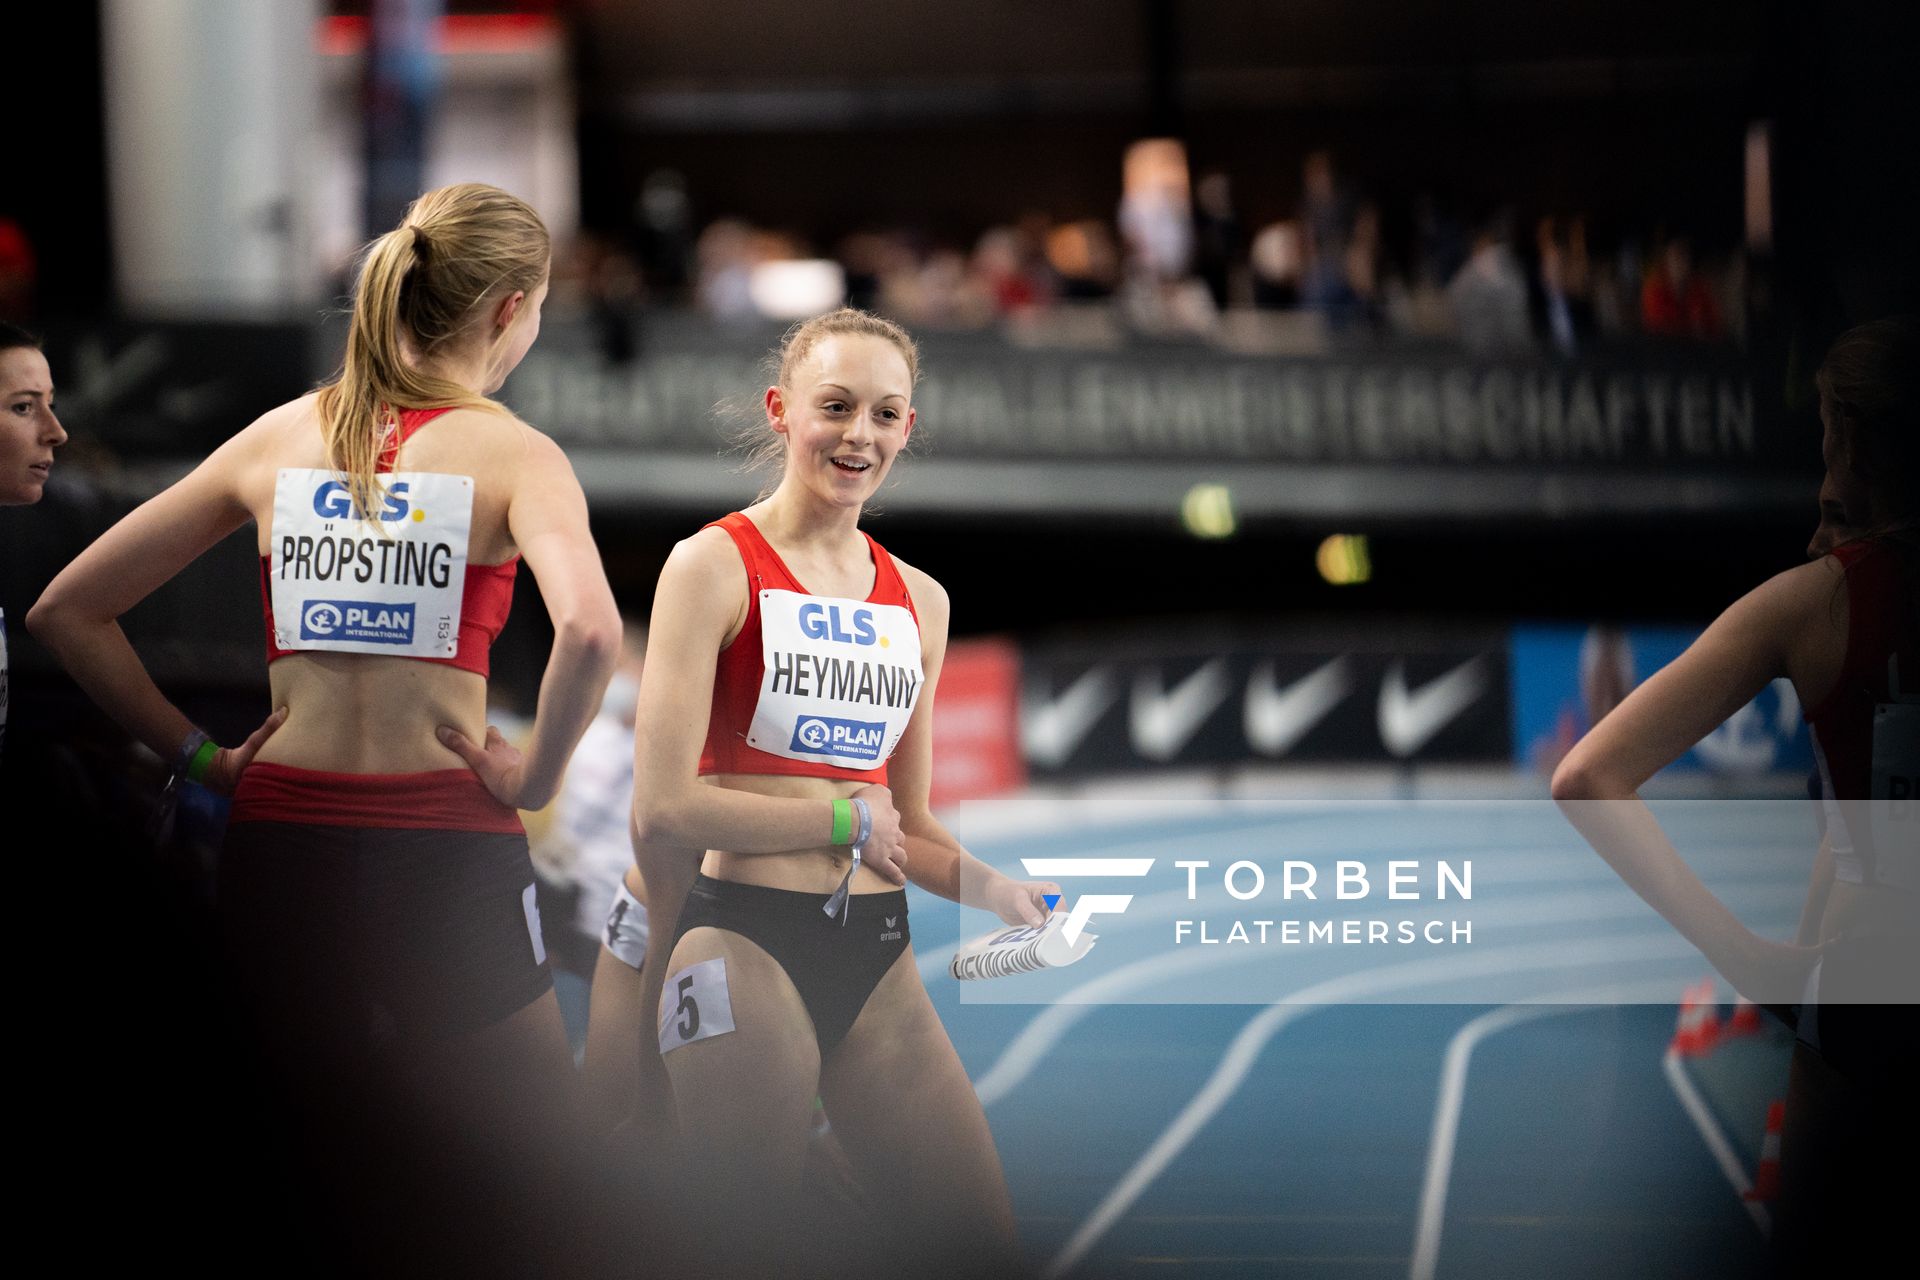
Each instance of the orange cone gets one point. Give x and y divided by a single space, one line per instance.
1699 1025
1766 1178
1746 1018
1683 1036
1707 1030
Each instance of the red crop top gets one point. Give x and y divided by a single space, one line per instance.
741 666
1877 629
487 599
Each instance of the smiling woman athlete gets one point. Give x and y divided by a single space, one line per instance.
375 891
785 729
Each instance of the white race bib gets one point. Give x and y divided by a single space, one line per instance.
840 682
1895 807
344 584
695 1004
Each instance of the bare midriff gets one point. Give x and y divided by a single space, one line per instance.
370 713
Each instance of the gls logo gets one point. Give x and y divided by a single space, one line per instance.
1090 904
332 501
822 622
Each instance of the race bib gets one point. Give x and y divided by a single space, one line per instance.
695 1005
1895 806
343 583
840 679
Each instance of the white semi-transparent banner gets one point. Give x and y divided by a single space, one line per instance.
1475 902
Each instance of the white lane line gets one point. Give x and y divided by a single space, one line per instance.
1716 1139
1048 1027
1446 1127
1446 1112
1238 1061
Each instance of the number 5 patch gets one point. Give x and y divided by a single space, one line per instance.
694 1004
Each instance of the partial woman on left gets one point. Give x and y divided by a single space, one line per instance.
29 433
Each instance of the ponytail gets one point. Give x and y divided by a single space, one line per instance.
421 284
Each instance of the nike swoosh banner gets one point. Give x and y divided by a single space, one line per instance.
1317 697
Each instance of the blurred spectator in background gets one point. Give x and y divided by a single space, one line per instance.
1276 263
17 272
1562 288
1156 210
1002 266
1488 295
865 256
1675 301
613 292
663 217
1218 238
1326 218
1440 241
1086 259
725 258
1157 224
587 844
1363 262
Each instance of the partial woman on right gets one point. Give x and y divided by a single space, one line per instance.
1845 629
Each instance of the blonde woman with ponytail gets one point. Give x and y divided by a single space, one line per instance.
375 889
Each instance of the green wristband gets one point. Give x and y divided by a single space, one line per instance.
843 822
201 762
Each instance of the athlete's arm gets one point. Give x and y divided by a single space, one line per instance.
936 861
77 617
700 603
547 519
1756 640
1819 888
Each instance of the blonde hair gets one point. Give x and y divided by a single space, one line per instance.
805 336
422 285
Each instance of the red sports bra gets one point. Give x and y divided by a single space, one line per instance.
489 587
1877 629
741 666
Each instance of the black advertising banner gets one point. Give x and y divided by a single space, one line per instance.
1085 711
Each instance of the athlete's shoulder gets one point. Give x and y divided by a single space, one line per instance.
703 579
929 597
280 424
1803 588
286 435
707 551
1794 608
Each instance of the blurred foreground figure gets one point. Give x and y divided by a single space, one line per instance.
1846 630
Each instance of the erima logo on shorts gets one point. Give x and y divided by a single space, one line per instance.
370 621
853 739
